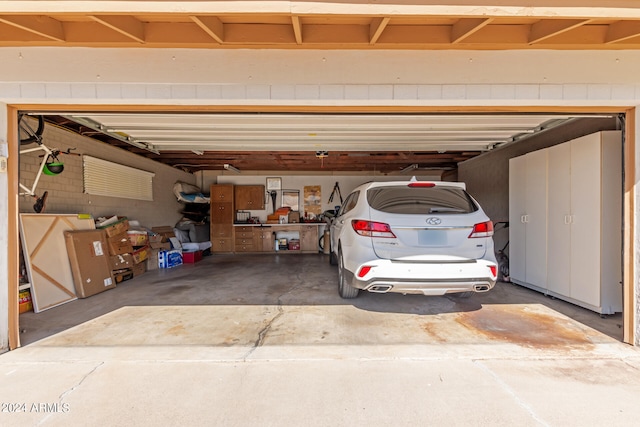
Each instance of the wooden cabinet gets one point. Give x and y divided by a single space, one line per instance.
221 218
582 238
249 197
264 238
244 240
309 238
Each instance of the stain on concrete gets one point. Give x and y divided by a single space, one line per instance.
524 327
430 329
176 330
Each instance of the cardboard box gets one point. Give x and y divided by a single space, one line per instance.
159 245
294 245
88 256
118 262
138 237
119 244
114 226
24 301
190 257
140 254
122 275
152 261
169 259
155 238
294 217
140 268
165 232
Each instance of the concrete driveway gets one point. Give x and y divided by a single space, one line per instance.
258 340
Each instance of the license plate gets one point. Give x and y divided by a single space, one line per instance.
432 237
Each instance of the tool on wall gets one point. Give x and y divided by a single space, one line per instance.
336 189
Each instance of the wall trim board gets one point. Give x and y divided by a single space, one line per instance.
630 292
13 234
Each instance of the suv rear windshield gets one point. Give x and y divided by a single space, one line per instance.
421 200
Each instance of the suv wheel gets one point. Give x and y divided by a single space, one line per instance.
333 260
345 289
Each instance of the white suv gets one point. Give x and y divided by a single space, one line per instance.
413 237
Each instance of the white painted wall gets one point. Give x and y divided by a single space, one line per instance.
292 77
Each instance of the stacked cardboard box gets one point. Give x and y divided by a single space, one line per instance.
128 248
89 259
163 254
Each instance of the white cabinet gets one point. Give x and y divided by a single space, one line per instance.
582 248
528 218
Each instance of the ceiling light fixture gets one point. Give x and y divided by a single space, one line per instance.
231 168
410 168
321 154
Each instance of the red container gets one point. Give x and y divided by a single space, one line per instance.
191 257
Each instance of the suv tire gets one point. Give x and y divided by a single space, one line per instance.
345 290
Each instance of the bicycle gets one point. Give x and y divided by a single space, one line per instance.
501 254
50 164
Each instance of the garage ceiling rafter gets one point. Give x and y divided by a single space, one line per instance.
326 25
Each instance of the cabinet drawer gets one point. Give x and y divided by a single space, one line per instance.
244 248
222 245
221 231
248 241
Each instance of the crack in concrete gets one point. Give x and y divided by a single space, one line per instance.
507 389
95 368
262 334
67 392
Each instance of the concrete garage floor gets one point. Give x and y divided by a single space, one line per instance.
297 296
265 340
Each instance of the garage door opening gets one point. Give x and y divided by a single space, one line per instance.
397 151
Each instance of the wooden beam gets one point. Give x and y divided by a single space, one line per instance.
297 28
622 30
41 25
258 34
465 27
376 28
629 296
211 25
551 27
13 236
125 25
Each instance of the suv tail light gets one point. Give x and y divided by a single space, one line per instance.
371 228
482 229
494 270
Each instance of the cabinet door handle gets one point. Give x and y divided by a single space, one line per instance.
567 219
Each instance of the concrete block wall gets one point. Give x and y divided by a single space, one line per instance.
65 191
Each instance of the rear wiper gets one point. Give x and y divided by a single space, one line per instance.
441 210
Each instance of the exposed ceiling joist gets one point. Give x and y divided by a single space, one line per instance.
495 29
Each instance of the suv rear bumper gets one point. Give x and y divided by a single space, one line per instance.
425 278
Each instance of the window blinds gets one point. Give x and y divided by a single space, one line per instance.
103 178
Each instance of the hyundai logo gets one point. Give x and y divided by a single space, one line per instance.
434 221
